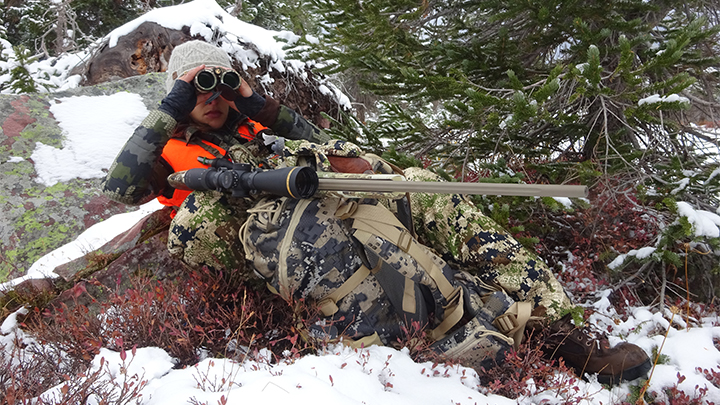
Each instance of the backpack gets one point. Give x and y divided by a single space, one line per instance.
372 280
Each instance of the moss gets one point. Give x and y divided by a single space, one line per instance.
45 128
59 191
4 271
97 261
23 168
57 188
29 224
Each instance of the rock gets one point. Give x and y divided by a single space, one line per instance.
154 223
35 286
34 219
142 250
147 49
151 87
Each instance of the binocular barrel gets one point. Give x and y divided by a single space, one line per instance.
209 78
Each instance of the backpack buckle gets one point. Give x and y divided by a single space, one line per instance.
404 241
328 307
505 323
346 209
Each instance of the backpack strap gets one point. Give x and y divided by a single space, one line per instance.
328 305
376 220
362 342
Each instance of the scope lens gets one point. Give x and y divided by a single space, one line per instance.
306 182
231 78
205 80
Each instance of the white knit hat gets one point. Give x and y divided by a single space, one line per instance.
193 54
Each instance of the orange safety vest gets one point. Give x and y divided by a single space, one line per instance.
183 156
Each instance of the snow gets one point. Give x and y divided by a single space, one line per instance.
91 239
91 140
656 98
376 375
564 201
382 375
206 18
337 375
704 223
641 253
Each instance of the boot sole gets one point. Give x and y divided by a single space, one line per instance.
625 375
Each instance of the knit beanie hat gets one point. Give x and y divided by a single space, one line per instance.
192 54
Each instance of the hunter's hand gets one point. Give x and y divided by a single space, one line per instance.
182 98
189 76
245 89
249 103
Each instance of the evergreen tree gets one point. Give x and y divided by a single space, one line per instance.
607 92
290 15
591 80
96 18
51 27
20 79
25 22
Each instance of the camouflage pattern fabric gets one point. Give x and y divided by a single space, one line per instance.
455 228
205 231
139 174
132 177
289 124
305 251
307 153
247 153
477 343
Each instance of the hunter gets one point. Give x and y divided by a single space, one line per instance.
474 287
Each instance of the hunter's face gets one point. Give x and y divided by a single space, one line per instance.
213 114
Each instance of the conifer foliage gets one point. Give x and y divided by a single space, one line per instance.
618 95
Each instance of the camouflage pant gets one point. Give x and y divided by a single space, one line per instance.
205 230
456 229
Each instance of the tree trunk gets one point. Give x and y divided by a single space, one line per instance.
145 50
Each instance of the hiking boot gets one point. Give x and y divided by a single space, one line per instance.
587 351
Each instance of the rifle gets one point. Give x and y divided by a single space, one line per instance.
305 182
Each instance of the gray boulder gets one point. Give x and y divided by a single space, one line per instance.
34 219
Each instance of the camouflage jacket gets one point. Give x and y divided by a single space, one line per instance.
139 172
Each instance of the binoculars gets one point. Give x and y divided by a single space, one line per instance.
209 78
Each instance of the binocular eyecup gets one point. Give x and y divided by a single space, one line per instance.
208 79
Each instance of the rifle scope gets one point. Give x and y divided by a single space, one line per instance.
293 182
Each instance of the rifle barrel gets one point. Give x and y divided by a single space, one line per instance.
390 186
